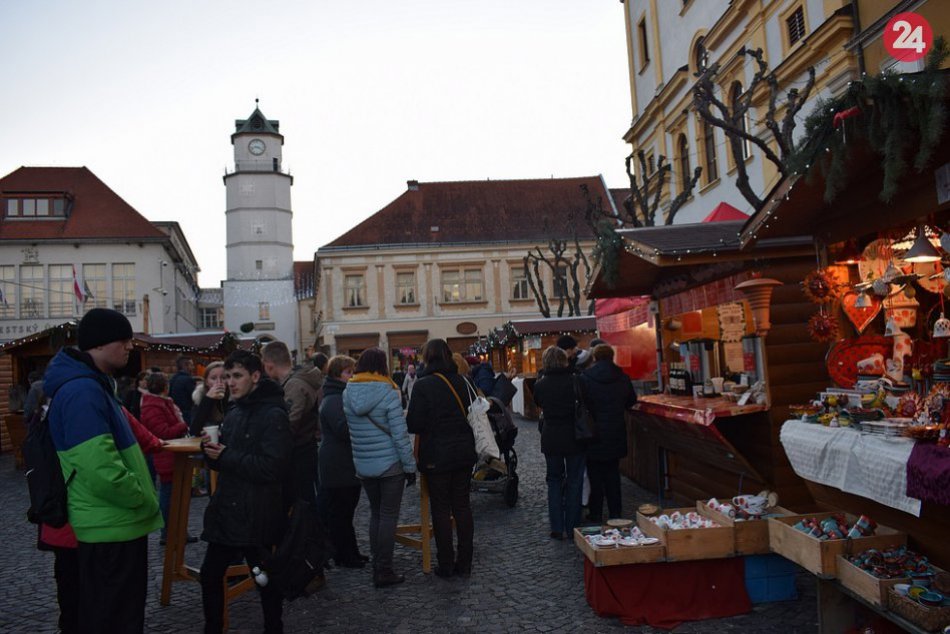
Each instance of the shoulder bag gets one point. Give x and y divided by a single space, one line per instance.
477 417
585 429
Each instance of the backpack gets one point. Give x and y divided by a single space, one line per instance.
296 567
44 476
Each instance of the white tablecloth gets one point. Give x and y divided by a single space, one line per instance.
864 464
517 402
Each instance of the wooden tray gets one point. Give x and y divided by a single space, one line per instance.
752 536
864 584
619 555
690 543
820 557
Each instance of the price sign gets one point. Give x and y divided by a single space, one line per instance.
908 37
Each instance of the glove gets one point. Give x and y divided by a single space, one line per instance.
410 479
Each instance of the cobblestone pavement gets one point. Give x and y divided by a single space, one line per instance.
522 580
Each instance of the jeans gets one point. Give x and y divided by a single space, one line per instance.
164 503
604 478
113 580
217 559
449 497
385 498
341 505
565 478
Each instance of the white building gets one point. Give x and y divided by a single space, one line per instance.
63 228
260 285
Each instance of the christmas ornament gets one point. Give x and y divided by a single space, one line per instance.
823 327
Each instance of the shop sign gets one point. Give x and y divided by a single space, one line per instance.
532 342
467 328
731 321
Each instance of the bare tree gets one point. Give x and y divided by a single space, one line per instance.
565 268
731 113
646 191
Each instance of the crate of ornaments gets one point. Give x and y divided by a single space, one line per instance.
815 541
872 572
747 514
618 544
687 534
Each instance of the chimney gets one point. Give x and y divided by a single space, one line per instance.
413 185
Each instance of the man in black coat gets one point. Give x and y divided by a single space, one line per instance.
182 385
609 394
245 514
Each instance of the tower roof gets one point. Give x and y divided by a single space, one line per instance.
257 123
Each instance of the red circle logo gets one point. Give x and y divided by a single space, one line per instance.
908 37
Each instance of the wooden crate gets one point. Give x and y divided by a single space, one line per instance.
865 584
820 557
619 555
752 536
690 543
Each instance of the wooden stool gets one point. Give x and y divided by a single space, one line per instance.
406 533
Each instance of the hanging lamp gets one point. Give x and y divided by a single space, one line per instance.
922 250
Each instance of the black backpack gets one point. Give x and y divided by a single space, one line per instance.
44 477
296 567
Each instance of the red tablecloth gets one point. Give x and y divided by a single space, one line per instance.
667 594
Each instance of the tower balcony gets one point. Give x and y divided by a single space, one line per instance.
258 165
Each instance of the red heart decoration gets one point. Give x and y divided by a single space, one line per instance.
843 357
860 317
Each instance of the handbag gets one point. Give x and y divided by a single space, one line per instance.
477 417
585 429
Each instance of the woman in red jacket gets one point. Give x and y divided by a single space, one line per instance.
163 418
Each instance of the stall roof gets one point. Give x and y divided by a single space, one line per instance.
198 342
554 324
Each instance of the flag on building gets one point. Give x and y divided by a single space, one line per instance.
79 287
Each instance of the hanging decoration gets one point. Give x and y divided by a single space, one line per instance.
823 326
860 317
821 287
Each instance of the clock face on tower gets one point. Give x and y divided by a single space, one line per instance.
256 147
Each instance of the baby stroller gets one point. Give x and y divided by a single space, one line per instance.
500 476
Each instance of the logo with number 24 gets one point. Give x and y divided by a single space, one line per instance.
908 37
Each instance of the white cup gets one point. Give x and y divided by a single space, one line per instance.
213 435
717 382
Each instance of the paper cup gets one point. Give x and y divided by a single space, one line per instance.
212 431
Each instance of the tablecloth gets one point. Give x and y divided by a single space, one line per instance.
868 465
666 594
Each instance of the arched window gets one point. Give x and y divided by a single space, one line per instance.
682 146
734 95
700 56
709 146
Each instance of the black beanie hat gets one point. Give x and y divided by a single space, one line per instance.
566 342
101 326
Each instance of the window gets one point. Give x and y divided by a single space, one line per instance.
263 311
682 147
795 23
644 43
210 317
709 145
355 288
560 283
94 276
123 288
462 285
700 56
406 287
259 265
33 207
61 293
8 291
744 122
519 284
32 299
651 164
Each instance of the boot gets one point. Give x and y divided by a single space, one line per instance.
384 578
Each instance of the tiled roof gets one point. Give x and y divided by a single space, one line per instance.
97 211
478 211
686 238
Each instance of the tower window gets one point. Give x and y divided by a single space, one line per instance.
644 43
259 265
795 23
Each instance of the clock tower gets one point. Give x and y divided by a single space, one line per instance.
260 287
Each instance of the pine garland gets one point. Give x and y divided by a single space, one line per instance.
901 117
607 250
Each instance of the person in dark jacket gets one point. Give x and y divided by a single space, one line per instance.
338 478
483 375
554 394
609 394
245 514
182 384
437 414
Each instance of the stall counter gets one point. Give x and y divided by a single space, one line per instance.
699 410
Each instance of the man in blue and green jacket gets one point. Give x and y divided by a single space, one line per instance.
111 499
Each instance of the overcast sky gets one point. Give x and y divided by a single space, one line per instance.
369 94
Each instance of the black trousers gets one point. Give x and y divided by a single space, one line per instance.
66 573
604 476
341 506
299 483
113 578
217 559
448 498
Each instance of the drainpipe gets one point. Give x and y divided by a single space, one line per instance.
859 48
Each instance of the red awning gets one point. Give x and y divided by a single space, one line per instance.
725 211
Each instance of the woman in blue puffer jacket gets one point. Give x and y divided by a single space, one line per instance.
382 454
